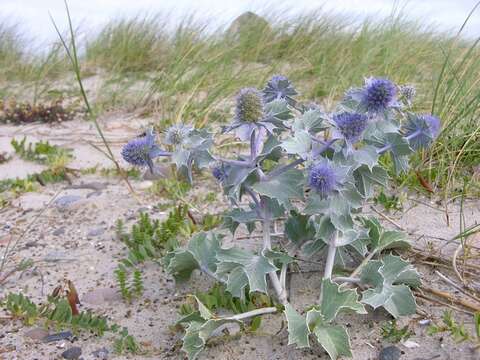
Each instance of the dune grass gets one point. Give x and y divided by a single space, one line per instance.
190 71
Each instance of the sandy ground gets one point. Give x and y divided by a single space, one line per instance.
77 242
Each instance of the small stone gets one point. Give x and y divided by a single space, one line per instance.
390 353
409 344
72 353
101 353
101 295
64 201
60 231
58 336
96 232
36 333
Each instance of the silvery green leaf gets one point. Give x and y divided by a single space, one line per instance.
299 229
237 176
255 267
335 300
367 155
334 339
271 149
197 334
278 256
297 327
398 144
284 187
312 121
381 239
390 278
299 144
366 178
199 254
235 217
237 280
400 163
277 112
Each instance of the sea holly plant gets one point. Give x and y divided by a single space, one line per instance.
313 171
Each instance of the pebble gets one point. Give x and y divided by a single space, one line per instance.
101 354
390 353
64 201
58 336
95 232
37 333
59 231
72 353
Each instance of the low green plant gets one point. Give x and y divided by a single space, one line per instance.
41 152
389 202
57 313
457 330
392 333
148 240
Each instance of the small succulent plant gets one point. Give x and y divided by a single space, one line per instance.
293 148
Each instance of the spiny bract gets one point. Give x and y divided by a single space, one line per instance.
378 94
421 130
176 134
250 106
351 125
279 87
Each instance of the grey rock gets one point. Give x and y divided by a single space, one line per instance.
101 353
72 353
36 333
64 201
95 232
60 231
390 353
58 336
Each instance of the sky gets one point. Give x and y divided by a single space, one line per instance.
33 15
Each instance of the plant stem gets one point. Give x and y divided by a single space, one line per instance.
281 169
362 264
256 312
332 249
72 55
389 146
234 162
267 245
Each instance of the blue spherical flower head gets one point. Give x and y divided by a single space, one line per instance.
322 178
279 87
141 151
350 125
250 106
378 95
421 130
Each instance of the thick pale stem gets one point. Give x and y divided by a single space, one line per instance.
332 249
343 279
267 245
283 276
253 313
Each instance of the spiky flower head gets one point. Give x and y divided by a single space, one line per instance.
421 130
378 95
408 92
141 151
279 87
176 134
322 178
250 106
350 125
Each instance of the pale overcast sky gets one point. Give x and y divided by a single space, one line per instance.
90 14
